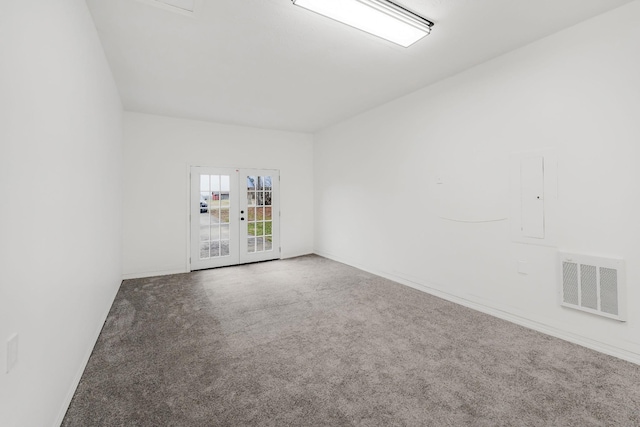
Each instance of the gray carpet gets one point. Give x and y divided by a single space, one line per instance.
312 342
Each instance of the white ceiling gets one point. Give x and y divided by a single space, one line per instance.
270 64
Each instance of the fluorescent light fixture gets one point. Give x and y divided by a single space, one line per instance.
382 18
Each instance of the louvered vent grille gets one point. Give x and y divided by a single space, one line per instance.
609 290
570 283
593 284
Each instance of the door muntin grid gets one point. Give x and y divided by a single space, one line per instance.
215 230
259 224
228 210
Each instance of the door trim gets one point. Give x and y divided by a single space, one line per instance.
235 174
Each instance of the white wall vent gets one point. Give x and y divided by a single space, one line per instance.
593 284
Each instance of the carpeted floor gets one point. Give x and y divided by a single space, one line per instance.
312 342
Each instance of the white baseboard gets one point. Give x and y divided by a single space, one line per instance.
83 365
144 274
501 313
295 255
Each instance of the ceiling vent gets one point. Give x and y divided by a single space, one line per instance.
592 284
185 7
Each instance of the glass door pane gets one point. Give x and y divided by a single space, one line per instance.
211 218
261 228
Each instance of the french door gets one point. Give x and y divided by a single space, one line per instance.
235 216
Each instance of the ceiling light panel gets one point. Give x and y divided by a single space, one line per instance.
381 18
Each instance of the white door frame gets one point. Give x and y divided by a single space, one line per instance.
238 209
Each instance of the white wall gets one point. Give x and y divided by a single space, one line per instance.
60 208
158 152
577 92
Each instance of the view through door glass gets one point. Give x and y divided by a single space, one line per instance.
214 216
259 214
